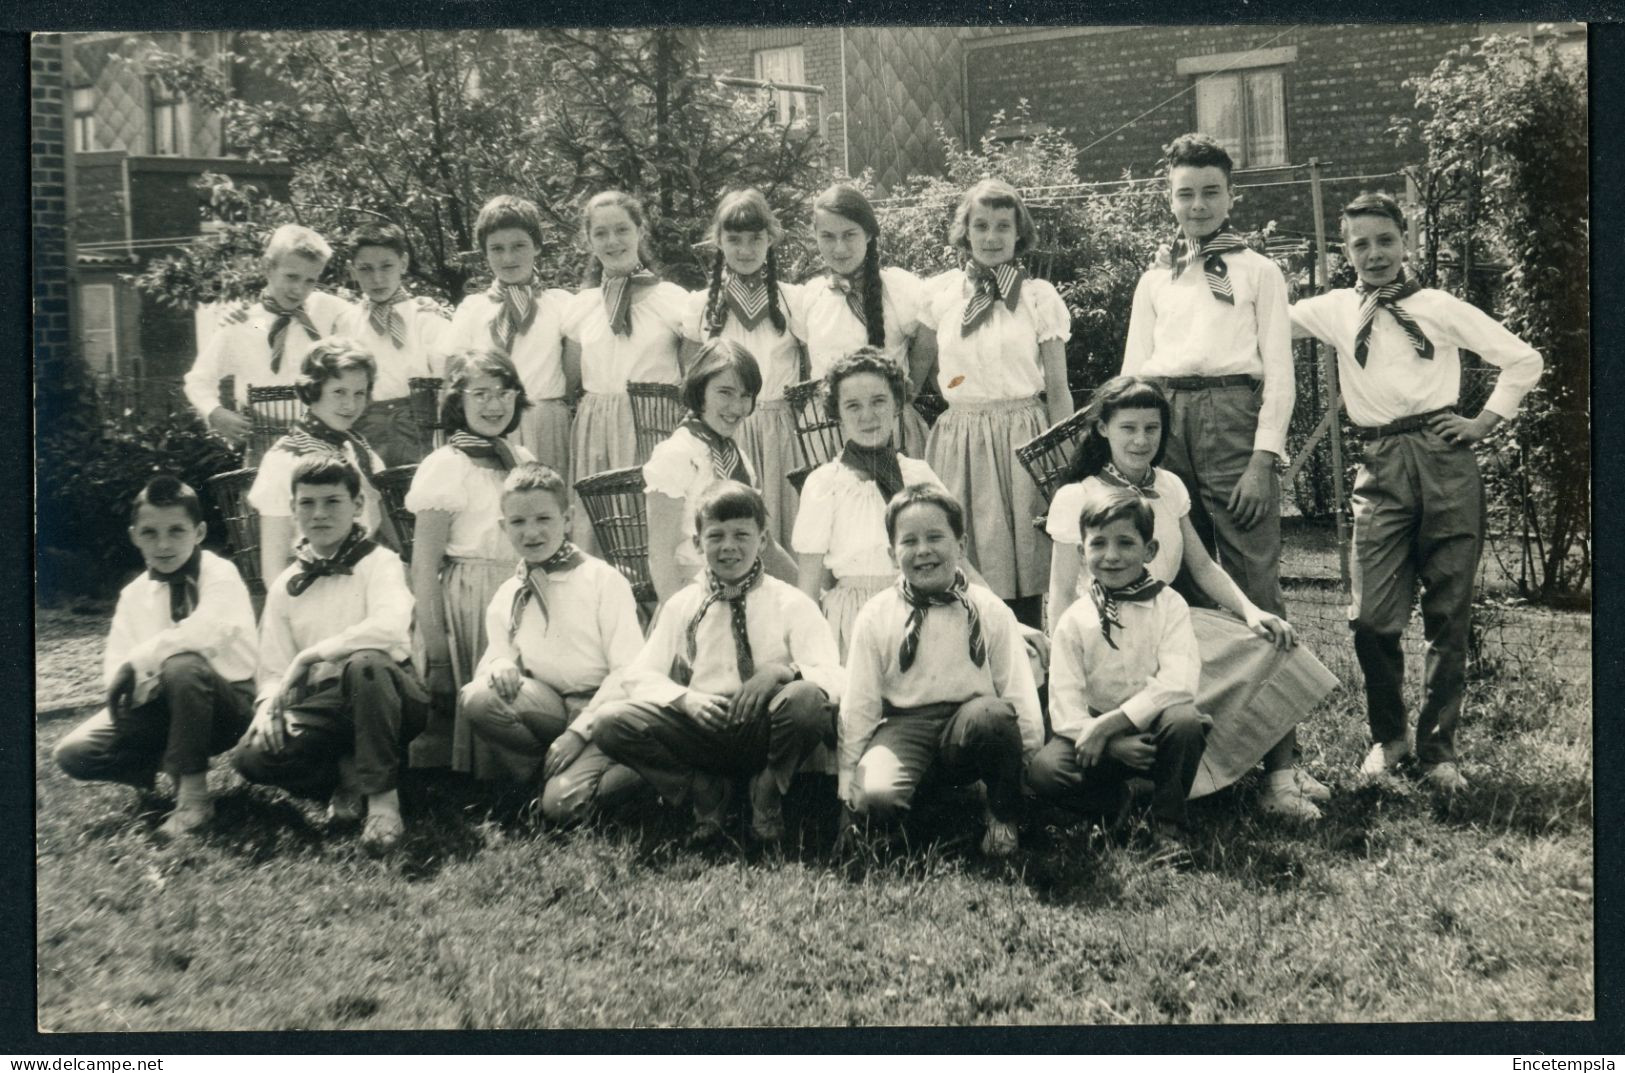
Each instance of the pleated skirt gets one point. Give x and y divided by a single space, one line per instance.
768 437
468 585
843 602
544 430
602 438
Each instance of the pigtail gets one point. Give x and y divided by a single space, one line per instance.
716 309
874 310
1093 454
774 312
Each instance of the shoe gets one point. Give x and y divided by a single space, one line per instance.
383 832
1289 803
1444 777
1168 850
999 840
766 809
1311 787
709 795
1385 756
185 823
345 808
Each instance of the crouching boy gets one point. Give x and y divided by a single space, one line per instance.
338 702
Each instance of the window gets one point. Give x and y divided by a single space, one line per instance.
84 119
168 122
1244 111
784 65
98 327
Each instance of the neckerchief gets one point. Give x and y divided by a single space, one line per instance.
682 668
568 557
726 461
386 320
1109 474
285 315
1209 249
1106 600
747 297
518 312
618 296
922 602
992 285
356 547
476 446
183 585
311 435
1387 297
878 464
852 288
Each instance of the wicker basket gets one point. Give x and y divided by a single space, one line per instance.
423 395
272 411
818 434
1047 456
615 506
657 409
798 477
392 485
230 493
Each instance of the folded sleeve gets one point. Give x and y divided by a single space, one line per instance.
1470 328
672 467
1062 522
1311 319
1051 317
815 518
440 483
1275 350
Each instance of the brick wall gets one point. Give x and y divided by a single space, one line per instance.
48 203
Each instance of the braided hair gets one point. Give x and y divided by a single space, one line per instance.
743 210
848 202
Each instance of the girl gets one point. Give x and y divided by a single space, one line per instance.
1124 443
1000 339
335 384
627 326
855 302
720 392
748 305
518 317
460 555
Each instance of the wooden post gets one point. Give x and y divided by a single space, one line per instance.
1413 215
1329 372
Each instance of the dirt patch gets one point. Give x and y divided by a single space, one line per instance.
67 655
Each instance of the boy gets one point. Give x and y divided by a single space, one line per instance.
737 678
1418 498
555 631
338 702
179 663
403 334
937 678
1123 675
264 343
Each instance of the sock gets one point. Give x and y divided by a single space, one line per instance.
1285 779
192 791
388 801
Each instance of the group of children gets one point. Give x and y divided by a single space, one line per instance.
902 644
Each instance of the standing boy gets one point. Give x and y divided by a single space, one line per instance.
937 678
179 663
338 701
1418 497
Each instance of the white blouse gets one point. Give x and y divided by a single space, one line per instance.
423 355
451 481
649 355
833 331
1172 503
272 489
537 352
843 518
999 360
778 353
680 468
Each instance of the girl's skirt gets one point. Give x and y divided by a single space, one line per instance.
973 450
843 602
544 430
1253 693
468 585
768 437
602 438
916 433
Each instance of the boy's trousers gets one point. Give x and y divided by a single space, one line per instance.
666 746
393 431
195 714
519 733
979 739
1180 734
1210 445
1418 516
372 710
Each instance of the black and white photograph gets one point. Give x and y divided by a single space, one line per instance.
827 526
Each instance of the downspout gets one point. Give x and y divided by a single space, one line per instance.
846 116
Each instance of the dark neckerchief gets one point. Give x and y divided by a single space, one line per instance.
183 585
1210 250
747 297
618 296
920 603
474 445
285 316
311 435
356 546
682 667
1141 589
878 464
386 320
727 463
992 285
517 312
1387 297
568 557
1110 475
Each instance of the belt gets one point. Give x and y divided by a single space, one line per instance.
1202 383
939 710
1413 423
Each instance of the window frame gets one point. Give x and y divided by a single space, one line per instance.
163 103
789 106
1239 77
84 119
84 332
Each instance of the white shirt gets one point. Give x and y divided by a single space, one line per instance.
1172 502
680 468
843 518
1179 329
649 355
272 489
1396 381
537 352
833 331
784 626
590 629
220 628
778 353
449 480
1155 665
942 672
999 360
243 350
339 615
423 354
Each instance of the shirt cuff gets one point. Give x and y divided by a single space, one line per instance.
1139 710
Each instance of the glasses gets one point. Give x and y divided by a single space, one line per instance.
485 396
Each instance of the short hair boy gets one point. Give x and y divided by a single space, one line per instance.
338 701
405 335
1418 497
178 666
736 679
937 678
1124 668
262 344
